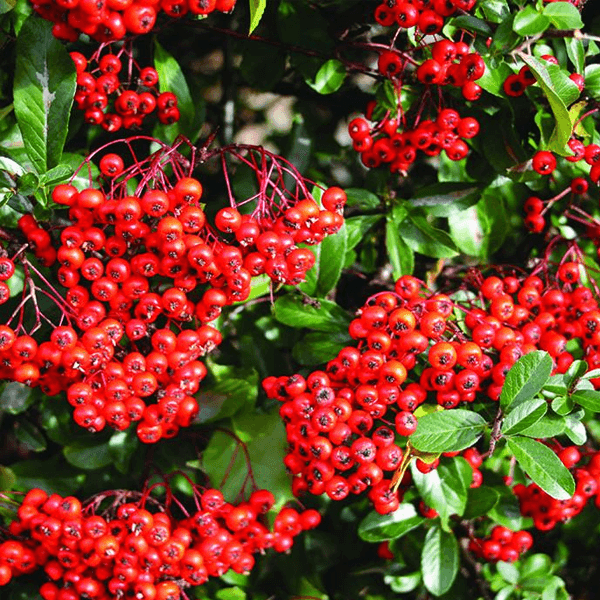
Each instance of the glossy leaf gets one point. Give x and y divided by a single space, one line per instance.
563 15
480 501
445 488
547 427
543 466
16 397
448 431
172 79
560 92
320 315
361 198
525 379
357 228
44 87
319 347
524 415
379 528
88 455
257 9
401 256
589 399
422 237
528 21
329 77
330 261
439 560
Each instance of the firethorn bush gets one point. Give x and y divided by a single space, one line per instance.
299 299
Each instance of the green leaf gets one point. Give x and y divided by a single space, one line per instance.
231 593
509 572
7 6
563 15
330 260
445 489
562 405
379 528
480 501
439 560
576 53
357 228
257 9
448 430
524 415
445 198
321 315
401 584
592 80
227 396
575 429
589 399
28 184
401 256
52 475
318 347
471 23
426 239
536 565
496 10
543 467
16 398
525 379
172 79
121 447
44 87
547 427
265 439
560 92
528 21
7 478
493 78
30 436
507 510
362 199
56 175
329 77
88 455
11 166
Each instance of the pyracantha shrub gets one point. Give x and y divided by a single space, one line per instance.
141 275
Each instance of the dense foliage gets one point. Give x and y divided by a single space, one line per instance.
299 299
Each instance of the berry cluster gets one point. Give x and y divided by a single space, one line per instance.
396 135
144 274
383 143
115 95
547 511
502 544
15 559
427 16
346 424
128 551
109 21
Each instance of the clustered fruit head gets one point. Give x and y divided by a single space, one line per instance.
395 138
347 424
501 544
105 21
130 552
113 96
143 274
